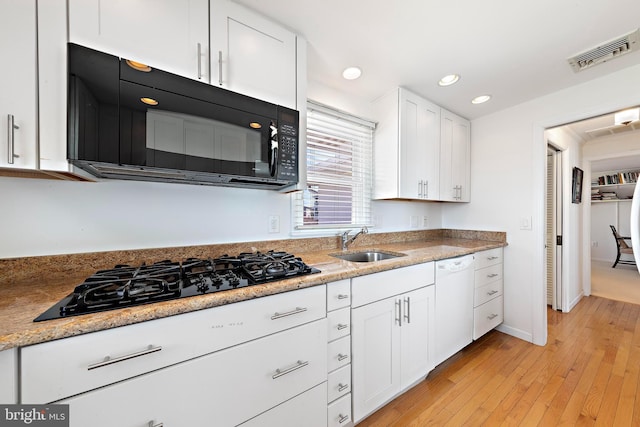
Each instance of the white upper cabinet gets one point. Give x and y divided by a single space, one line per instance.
167 34
252 55
455 158
18 83
407 147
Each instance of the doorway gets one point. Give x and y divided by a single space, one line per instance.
553 243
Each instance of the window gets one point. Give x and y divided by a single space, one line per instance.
338 192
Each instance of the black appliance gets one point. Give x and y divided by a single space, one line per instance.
127 120
125 286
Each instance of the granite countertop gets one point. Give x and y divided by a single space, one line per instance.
26 291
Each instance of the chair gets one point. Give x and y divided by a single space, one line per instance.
623 248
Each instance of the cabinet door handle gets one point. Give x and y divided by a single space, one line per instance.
343 418
407 315
343 296
399 312
426 189
492 275
109 361
492 292
342 326
297 310
153 424
491 258
342 387
220 67
299 364
199 61
420 189
342 357
11 128
492 316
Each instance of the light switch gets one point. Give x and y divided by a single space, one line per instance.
525 223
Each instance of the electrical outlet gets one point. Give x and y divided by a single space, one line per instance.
425 221
413 221
594 244
274 224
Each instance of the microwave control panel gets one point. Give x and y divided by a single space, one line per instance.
288 146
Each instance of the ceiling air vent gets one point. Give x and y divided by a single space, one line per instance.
606 51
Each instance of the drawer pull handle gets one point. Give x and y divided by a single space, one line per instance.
109 361
342 357
299 364
491 276
153 424
492 292
342 326
343 296
297 310
491 258
343 418
493 316
342 387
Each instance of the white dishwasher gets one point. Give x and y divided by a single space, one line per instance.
454 306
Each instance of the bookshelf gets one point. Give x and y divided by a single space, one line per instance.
613 186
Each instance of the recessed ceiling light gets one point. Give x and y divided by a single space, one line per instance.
351 73
449 80
149 101
480 99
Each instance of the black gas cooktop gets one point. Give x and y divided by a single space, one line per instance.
126 286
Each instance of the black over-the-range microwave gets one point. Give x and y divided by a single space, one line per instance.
127 120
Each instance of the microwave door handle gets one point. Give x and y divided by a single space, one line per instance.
273 151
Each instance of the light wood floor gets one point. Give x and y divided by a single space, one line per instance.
587 375
621 283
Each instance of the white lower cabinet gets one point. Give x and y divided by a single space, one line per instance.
488 300
225 388
392 338
9 375
338 398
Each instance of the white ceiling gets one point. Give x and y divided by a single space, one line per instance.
513 50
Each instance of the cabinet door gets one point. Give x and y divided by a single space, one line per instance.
419 147
418 316
9 375
170 35
252 55
375 355
455 158
18 84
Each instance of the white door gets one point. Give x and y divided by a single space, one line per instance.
553 233
419 147
416 334
375 358
635 225
18 84
252 55
166 34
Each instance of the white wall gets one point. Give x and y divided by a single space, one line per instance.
57 217
508 157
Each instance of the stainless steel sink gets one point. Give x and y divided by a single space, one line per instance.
366 256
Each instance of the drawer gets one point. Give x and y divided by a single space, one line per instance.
223 388
339 353
487 293
339 383
338 294
339 412
378 286
339 323
74 365
308 409
488 275
486 258
487 316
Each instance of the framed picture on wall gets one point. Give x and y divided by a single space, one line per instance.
576 193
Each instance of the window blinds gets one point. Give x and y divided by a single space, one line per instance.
339 168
